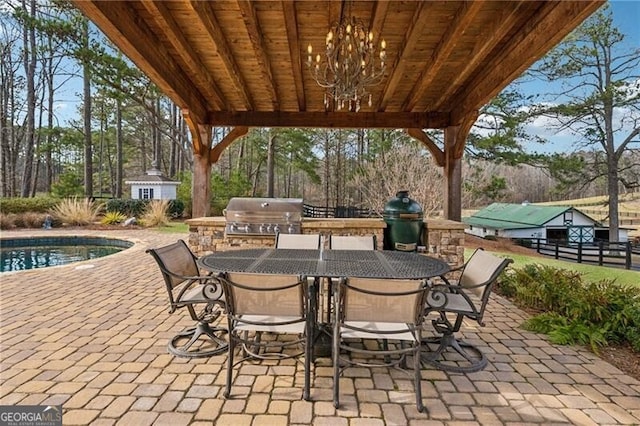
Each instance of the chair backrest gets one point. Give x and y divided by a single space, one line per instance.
352 242
382 300
265 294
298 241
177 264
481 271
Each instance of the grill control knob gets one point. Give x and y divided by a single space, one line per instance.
276 229
291 229
263 228
233 227
247 228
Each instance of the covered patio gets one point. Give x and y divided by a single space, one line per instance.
92 336
243 64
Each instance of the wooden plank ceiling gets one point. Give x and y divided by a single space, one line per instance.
243 63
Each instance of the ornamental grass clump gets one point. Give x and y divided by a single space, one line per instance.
7 221
76 212
572 311
156 213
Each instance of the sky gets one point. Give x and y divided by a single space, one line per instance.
626 16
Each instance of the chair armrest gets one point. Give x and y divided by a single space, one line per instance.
439 295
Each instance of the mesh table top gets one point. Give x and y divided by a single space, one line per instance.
334 263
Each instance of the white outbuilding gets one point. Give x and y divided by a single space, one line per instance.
153 186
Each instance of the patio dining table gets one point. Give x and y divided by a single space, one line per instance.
327 263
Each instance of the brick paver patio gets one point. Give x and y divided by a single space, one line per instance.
92 336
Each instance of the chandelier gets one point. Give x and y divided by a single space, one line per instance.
349 65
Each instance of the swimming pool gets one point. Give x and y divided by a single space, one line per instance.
18 254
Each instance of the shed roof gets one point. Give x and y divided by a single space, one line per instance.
152 180
515 216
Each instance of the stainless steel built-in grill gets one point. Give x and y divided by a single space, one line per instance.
263 216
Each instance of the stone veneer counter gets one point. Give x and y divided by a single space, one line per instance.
444 238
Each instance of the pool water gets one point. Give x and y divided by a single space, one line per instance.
31 253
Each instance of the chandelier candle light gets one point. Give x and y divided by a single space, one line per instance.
350 65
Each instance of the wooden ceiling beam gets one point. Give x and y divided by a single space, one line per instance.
546 28
259 48
218 149
190 59
130 33
504 21
291 27
436 152
461 20
407 45
345 120
208 19
378 16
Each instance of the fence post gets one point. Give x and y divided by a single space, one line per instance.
538 245
600 252
557 249
580 252
627 260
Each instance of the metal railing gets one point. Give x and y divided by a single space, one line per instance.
339 211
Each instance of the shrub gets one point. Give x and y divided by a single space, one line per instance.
156 213
176 208
127 207
70 183
112 218
543 288
30 220
23 205
7 221
183 191
573 312
137 208
76 212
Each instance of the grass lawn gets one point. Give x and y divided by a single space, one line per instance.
174 227
589 272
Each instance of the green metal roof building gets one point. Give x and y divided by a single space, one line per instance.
536 221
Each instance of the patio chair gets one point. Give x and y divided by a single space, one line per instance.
464 298
380 309
352 242
298 241
275 304
188 289
347 242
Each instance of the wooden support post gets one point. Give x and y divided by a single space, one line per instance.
454 141
201 184
453 181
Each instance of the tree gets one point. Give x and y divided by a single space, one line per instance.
598 102
406 165
29 60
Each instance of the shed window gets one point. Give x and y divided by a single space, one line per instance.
145 193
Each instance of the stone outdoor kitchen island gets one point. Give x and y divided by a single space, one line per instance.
443 239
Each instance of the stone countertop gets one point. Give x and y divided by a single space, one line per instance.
432 224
